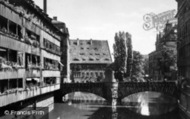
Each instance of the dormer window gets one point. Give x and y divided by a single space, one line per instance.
75 59
107 59
82 53
91 59
88 43
74 43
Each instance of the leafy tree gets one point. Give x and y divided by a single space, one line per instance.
137 67
120 54
146 66
167 62
130 55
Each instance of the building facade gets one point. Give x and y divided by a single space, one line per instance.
183 16
88 60
30 52
163 61
65 72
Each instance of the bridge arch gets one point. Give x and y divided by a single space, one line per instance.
93 88
129 88
83 96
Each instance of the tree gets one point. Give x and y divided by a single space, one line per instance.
120 54
146 66
167 62
137 67
130 55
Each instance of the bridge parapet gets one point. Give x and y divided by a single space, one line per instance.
128 88
100 89
105 89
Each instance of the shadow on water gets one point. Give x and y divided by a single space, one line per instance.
150 103
123 113
146 105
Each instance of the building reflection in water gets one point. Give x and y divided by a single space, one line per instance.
123 113
145 105
150 103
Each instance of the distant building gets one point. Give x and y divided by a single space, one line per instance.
146 66
183 49
65 73
153 66
88 60
30 52
166 42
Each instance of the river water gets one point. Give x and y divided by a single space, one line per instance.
146 105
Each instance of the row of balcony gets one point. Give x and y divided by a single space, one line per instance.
22 94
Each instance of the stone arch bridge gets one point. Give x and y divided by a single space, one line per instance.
105 89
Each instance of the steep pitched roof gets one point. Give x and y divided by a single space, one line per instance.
89 51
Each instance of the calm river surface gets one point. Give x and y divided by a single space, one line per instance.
146 105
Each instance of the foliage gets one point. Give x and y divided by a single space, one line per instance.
138 66
146 66
167 61
130 55
120 52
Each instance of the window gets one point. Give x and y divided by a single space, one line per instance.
32 61
74 43
82 53
3 24
50 80
107 59
75 59
3 86
91 59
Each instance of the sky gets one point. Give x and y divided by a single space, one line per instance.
101 19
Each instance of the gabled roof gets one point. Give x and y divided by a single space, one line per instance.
90 51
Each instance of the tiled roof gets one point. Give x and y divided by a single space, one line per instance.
89 51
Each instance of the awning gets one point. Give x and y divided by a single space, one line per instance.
3 50
37 79
60 63
28 79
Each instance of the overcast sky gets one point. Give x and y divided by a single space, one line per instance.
101 19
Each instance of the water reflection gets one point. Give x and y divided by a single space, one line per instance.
87 111
147 105
123 113
151 103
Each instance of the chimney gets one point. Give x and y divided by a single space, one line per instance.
77 41
45 6
55 18
91 41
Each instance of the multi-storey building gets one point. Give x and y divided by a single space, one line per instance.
65 73
183 48
88 60
160 61
30 55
